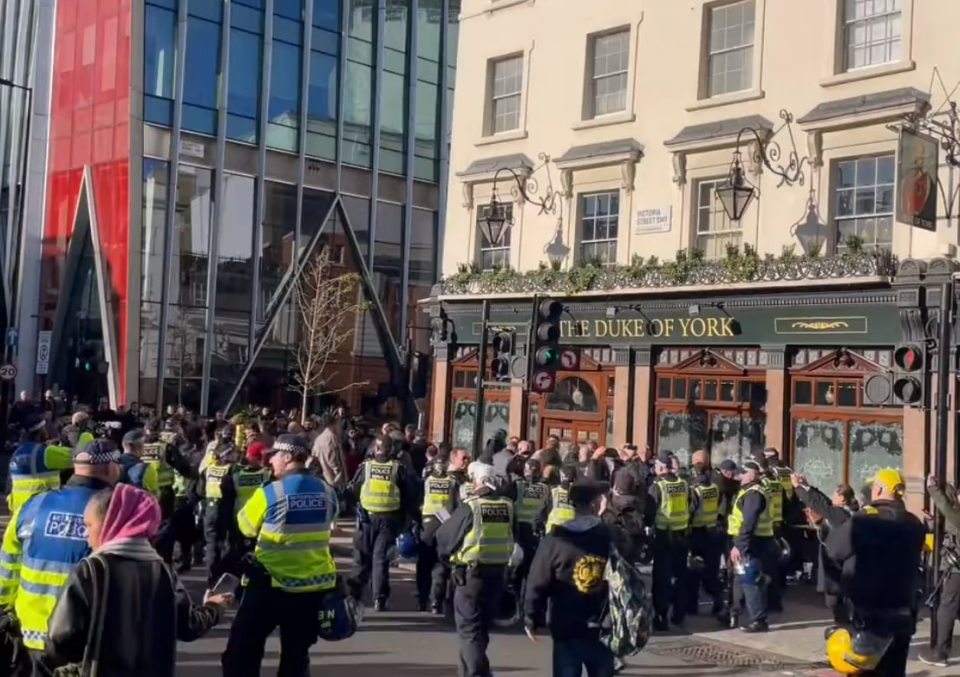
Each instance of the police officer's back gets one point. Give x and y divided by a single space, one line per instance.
387 496
478 540
878 551
137 471
560 509
668 512
750 528
291 521
439 498
706 539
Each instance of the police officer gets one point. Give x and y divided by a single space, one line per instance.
478 539
136 471
751 529
439 498
560 509
775 498
46 537
162 456
668 512
706 540
35 466
386 497
218 501
879 550
290 519
533 497
948 601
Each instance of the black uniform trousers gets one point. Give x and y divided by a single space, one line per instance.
433 575
475 604
216 527
371 558
262 609
184 529
948 611
670 550
776 572
166 536
707 544
528 541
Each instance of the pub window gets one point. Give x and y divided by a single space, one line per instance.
573 394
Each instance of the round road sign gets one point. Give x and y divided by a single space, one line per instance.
8 372
570 359
543 381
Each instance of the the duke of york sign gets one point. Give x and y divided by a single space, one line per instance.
668 327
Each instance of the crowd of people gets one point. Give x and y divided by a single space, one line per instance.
109 507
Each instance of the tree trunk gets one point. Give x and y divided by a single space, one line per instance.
303 405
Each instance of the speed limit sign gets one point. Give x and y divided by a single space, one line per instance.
8 372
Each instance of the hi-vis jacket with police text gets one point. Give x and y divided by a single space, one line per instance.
291 520
375 476
34 468
455 536
43 542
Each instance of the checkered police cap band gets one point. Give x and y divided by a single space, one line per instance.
292 444
97 452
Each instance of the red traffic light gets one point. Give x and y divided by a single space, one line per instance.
550 309
908 358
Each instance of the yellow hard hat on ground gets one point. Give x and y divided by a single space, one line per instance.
855 655
891 478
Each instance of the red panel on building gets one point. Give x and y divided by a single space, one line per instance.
90 126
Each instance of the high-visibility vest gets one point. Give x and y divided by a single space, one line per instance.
34 469
380 492
246 481
783 472
215 472
764 527
708 507
774 498
673 513
490 539
43 544
561 509
531 498
154 453
436 495
466 491
291 520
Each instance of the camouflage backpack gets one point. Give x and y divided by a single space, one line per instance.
630 608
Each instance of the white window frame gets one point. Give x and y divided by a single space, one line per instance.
593 79
835 59
493 98
889 17
699 232
710 54
582 242
504 248
840 244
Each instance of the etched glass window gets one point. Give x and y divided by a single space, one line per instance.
682 433
818 451
573 394
464 418
873 447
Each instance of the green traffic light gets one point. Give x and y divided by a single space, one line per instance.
87 366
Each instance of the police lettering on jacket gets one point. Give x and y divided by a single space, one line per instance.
495 512
65 525
674 489
316 501
380 472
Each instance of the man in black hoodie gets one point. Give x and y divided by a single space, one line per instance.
567 572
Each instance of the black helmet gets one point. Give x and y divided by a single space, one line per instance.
226 433
439 467
532 470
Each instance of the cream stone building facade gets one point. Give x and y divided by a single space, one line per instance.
638 105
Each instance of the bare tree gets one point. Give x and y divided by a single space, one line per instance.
327 303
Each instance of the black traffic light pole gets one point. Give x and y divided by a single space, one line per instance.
481 374
943 393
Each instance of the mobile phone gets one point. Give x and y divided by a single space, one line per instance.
227 584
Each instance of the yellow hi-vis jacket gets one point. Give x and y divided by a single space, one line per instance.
490 539
673 511
380 492
561 509
291 520
35 468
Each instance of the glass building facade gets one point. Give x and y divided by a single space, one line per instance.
271 129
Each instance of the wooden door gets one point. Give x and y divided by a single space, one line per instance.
580 432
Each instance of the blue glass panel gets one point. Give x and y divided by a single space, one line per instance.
284 105
325 41
247 19
289 8
240 128
243 94
251 3
202 65
160 40
206 9
157 110
326 13
322 102
287 30
200 119
172 4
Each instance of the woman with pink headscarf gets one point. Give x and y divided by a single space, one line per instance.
123 610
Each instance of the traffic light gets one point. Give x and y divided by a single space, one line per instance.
546 354
502 345
88 356
908 378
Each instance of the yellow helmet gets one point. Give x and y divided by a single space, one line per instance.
856 654
891 478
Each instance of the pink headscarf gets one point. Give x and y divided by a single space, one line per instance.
132 513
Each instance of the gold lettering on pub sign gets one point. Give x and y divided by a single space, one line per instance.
669 327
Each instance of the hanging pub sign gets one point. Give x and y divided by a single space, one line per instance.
917 160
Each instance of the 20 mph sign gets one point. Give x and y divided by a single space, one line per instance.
8 372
